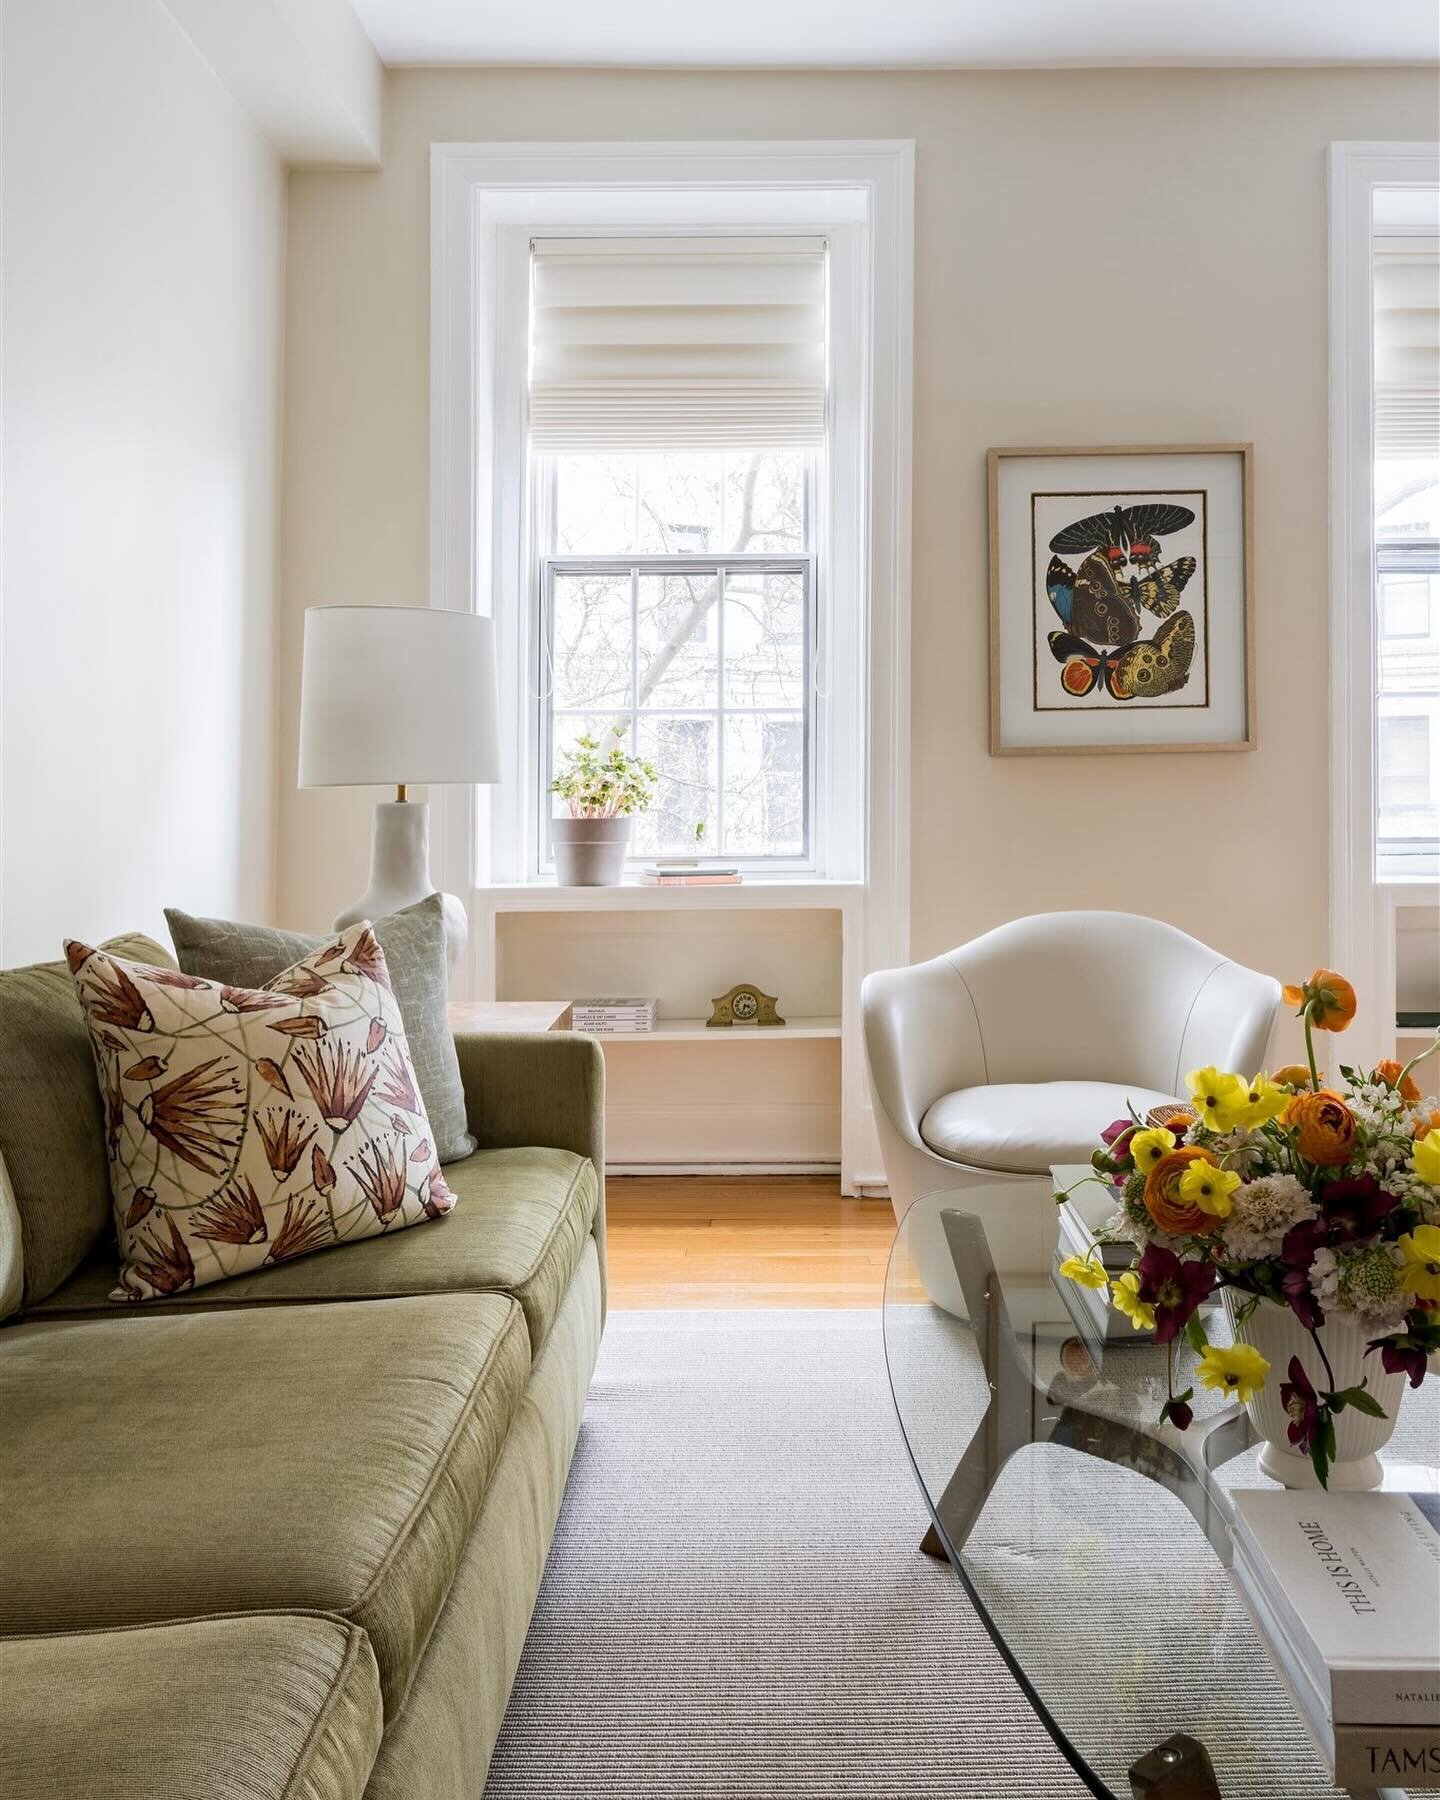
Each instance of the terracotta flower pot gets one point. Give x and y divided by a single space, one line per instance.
1278 1335
590 852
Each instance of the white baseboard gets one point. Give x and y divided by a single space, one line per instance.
723 1168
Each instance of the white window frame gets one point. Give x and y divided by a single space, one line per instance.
1362 922
486 202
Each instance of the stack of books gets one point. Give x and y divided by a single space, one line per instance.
692 874
614 1015
1088 1210
1345 1591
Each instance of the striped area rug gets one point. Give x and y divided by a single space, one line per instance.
735 1607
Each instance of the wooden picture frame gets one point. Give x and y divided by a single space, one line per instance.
1137 635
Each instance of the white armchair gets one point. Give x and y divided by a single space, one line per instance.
1012 1053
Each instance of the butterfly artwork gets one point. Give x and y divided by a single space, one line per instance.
1120 608
1106 605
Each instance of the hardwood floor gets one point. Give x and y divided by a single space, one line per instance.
708 1241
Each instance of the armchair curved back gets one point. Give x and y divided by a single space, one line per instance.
1068 996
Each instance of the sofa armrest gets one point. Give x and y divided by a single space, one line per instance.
538 1088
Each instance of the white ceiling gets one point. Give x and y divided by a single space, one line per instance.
904 33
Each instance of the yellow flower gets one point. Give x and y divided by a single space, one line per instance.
1147 1147
1220 1099
1425 1159
1209 1188
1125 1298
1235 1369
1420 1271
1084 1271
1264 1100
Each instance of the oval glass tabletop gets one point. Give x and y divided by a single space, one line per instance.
1093 1541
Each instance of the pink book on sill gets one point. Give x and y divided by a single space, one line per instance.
691 880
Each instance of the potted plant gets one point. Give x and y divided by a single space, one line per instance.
1315 1209
601 786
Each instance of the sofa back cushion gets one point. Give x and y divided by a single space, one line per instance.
413 940
52 1123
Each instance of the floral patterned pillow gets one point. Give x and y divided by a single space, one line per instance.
245 1126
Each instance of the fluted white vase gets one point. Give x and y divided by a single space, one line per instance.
1278 1335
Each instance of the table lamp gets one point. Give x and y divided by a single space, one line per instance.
395 696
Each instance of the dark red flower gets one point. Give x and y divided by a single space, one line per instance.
1300 1400
1399 1361
1354 1208
1180 1413
1295 1283
1174 1288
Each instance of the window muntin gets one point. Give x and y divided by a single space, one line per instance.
678 601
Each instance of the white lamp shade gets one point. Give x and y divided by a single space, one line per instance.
392 694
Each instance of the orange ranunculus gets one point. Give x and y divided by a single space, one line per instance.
1324 1128
1423 1127
1174 1115
1293 1075
1162 1193
1390 1072
1329 996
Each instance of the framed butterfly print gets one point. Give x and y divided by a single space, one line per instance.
1120 600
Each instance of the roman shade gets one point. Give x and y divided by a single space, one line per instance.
677 343
1407 346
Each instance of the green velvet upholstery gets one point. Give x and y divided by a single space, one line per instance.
541 1088
522 1219
328 1457
440 1746
52 1126
277 1706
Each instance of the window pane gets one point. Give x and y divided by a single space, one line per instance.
679 640
592 641
764 639
594 505
1407 595
684 752
764 785
679 510
765 502
676 505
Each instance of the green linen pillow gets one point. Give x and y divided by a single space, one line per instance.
414 946
247 1126
52 1126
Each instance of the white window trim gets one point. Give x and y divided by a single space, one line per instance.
1362 923
486 199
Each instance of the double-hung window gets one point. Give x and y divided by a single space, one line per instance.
677 417
1407 538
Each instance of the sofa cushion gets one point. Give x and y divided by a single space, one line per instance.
414 944
1025 1128
331 1457
522 1222
52 1124
269 1706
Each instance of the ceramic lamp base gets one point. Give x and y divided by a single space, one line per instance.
400 873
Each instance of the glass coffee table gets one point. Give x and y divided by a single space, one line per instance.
1093 1542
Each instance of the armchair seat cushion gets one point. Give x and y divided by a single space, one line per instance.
1023 1128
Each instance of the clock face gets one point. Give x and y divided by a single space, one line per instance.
745 1005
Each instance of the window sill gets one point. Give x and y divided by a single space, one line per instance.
754 893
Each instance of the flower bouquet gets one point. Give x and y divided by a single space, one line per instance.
1317 1209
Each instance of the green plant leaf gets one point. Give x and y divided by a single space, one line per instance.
1195 1335
1360 1400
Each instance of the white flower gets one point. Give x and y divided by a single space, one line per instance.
1364 1281
1261 1212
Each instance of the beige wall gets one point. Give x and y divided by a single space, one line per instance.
1100 257
144 228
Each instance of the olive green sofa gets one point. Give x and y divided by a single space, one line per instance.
282 1536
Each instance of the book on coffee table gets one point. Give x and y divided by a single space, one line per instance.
1345 1591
